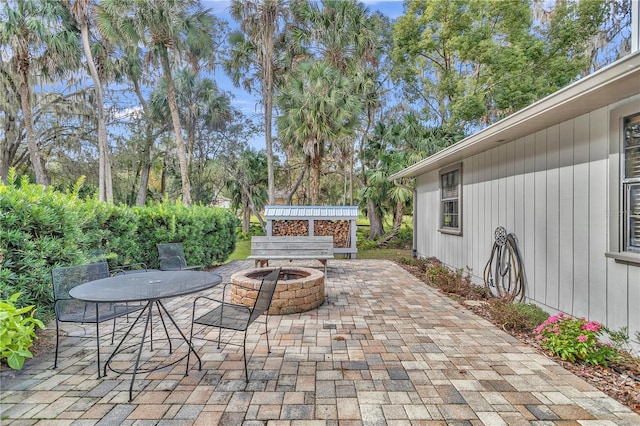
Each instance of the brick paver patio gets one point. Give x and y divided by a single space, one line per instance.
385 349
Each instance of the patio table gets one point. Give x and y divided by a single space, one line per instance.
149 287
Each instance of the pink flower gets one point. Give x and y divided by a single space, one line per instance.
591 326
539 337
582 338
552 319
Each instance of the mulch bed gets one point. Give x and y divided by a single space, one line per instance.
620 380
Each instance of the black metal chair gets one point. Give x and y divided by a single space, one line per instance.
236 317
172 257
70 310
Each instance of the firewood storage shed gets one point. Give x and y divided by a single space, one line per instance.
337 221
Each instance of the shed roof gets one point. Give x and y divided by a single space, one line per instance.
323 212
611 84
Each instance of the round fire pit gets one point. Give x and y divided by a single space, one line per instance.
298 289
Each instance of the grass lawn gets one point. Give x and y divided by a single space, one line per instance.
243 249
243 246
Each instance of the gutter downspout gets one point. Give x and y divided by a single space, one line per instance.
414 250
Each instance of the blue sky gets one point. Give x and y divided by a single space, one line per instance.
249 105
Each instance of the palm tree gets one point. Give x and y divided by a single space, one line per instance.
342 32
9 118
346 35
203 110
392 147
260 21
247 184
319 107
38 35
167 27
130 65
82 11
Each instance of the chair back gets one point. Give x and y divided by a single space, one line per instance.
68 277
265 294
171 256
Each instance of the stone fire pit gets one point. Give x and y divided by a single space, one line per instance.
298 289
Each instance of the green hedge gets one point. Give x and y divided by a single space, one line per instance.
41 228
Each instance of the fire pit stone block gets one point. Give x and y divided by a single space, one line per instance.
298 290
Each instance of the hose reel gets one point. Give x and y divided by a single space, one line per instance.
504 272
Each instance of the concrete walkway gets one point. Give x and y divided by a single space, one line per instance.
384 349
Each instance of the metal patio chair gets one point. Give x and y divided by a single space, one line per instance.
70 310
172 257
235 317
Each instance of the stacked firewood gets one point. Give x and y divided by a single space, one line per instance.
290 228
339 229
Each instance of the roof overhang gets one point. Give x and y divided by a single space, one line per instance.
611 84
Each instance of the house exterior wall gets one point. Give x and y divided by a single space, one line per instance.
557 190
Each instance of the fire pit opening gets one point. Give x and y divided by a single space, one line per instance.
285 274
298 290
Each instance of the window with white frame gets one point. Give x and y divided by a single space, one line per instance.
631 183
451 199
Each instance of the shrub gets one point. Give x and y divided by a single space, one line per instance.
41 228
516 316
16 332
453 282
574 339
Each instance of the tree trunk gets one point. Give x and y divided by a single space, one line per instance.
253 209
147 150
315 179
177 129
375 221
8 146
145 168
246 215
268 114
105 186
32 144
397 216
298 182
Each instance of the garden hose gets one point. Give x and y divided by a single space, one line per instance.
506 278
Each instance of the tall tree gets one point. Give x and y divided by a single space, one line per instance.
396 143
247 185
83 13
253 59
38 36
131 68
318 106
172 30
9 118
473 62
204 110
346 35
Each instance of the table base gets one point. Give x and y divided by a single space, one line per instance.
149 309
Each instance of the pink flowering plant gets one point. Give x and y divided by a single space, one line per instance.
575 339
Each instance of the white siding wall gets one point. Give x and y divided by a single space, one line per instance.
551 189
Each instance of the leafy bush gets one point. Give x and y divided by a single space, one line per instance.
366 244
16 332
516 316
207 233
453 282
574 339
41 228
